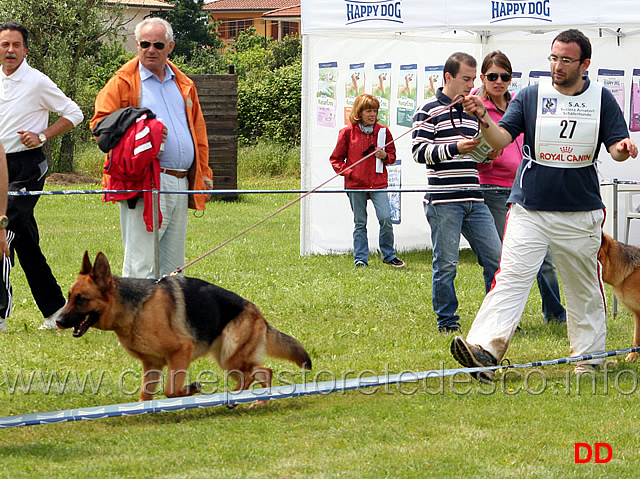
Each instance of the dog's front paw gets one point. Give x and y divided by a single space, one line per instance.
631 357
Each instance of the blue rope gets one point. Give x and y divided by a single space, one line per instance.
229 398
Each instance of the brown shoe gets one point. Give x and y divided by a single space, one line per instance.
473 356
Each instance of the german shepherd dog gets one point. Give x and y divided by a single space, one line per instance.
621 269
173 321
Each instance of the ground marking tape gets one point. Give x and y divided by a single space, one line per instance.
266 394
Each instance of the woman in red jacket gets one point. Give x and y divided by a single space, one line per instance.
356 141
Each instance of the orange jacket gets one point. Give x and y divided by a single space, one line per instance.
123 90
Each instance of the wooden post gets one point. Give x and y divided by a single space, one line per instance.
218 96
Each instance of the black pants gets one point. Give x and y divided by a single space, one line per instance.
26 173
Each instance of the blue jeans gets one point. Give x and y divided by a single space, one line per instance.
380 200
547 277
447 221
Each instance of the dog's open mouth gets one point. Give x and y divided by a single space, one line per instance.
82 327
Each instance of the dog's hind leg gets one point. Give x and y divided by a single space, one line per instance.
636 338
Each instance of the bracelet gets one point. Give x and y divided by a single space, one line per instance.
485 113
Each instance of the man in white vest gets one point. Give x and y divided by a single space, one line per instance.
555 203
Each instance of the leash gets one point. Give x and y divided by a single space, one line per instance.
458 99
230 398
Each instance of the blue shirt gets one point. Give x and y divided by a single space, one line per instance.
545 188
165 100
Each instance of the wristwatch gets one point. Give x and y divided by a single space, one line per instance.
4 222
42 137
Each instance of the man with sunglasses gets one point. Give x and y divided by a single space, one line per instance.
555 203
151 81
27 97
452 208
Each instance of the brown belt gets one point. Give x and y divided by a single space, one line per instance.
176 173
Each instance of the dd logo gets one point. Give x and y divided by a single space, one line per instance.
598 446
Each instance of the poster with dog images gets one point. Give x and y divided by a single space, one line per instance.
536 75
516 82
634 112
433 76
353 87
326 94
381 89
613 80
407 94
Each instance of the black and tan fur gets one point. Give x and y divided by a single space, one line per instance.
621 269
172 322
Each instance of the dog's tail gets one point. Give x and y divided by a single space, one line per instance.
283 346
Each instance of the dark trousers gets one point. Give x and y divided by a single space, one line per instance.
26 173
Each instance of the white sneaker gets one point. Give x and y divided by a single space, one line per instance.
50 322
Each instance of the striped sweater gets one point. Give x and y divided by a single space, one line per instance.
434 143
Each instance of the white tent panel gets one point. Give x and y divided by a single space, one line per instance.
331 46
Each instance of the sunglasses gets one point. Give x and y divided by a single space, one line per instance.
156 45
494 76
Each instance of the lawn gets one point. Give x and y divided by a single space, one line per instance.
352 321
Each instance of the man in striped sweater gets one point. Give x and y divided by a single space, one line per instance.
452 205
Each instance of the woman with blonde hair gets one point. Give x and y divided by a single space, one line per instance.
356 141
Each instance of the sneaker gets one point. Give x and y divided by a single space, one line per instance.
455 328
360 264
50 322
396 263
473 356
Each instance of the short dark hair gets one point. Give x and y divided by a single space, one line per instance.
11 25
575 36
452 65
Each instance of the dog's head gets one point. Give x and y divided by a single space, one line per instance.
88 297
604 256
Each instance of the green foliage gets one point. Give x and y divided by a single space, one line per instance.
65 37
266 159
269 105
191 27
284 53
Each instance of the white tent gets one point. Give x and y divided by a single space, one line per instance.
349 44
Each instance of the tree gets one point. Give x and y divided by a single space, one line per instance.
65 37
191 28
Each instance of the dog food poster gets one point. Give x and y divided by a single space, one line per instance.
433 76
407 94
613 80
516 82
634 114
381 89
535 75
353 87
326 95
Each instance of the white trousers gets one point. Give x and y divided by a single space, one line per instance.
574 239
138 242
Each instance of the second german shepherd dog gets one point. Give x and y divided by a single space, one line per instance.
621 269
173 321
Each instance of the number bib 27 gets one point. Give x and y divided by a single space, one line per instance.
567 126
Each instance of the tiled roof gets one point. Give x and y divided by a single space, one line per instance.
144 3
249 5
293 11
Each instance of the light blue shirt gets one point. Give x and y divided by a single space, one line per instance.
165 100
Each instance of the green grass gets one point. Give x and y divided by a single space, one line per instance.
373 319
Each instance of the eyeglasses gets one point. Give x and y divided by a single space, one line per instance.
156 45
505 77
563 60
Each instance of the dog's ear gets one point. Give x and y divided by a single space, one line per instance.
101 270
86 264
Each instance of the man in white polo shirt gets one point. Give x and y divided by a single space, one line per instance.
27 96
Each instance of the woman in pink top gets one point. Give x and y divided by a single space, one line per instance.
496 73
